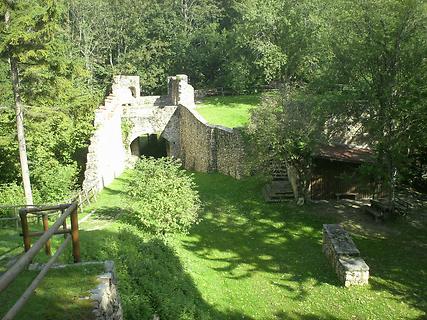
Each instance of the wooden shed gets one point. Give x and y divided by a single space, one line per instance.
335 172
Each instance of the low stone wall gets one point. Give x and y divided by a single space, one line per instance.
209 148
105 297
343 255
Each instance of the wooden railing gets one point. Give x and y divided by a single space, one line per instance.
67 210
82 197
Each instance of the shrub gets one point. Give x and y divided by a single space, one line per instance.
55 182
163 197
13 194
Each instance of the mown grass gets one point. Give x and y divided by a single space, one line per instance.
63 294
228 111
252 260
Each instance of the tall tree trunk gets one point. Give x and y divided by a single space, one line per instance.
20 126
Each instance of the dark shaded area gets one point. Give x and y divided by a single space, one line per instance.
151 278
150 145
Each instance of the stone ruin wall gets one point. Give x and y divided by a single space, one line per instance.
195 135
230 149
106 158
201 147
209 148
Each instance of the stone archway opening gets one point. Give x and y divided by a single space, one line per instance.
150 145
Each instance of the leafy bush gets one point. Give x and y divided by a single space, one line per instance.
55 182
13 194
163 197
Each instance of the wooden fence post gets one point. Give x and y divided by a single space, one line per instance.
64 225
25 231
15 214
45 228
75 235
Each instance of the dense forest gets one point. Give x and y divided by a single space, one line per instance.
350 61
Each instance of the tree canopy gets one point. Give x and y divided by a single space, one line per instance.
355 62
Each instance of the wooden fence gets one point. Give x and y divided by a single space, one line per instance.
82 197
221 91
22 214
67 210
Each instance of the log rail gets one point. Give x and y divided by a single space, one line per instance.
72 234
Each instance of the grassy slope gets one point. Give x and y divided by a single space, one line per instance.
248 260
252 260
228 111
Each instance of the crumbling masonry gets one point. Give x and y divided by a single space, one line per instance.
126 116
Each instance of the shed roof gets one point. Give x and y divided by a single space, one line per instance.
344 153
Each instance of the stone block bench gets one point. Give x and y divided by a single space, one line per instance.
345 258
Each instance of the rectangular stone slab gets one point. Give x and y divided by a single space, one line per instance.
340 240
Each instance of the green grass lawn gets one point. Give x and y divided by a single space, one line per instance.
246 260
252 260
63 294
228 111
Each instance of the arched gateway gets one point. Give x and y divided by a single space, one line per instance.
129 125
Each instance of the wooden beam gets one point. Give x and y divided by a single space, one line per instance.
40 233
29 291
44 208
25 231
25 259
75 234
45 228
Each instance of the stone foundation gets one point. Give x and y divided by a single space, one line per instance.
343 255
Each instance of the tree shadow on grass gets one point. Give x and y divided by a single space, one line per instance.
240 229
151 278
398 265
300 316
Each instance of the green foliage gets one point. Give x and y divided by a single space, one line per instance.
284 129
375 76
11 194
59 99
127 127
163 196
55 182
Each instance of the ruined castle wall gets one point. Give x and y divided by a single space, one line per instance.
107 155
208 148
196 139
230 149
201 146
